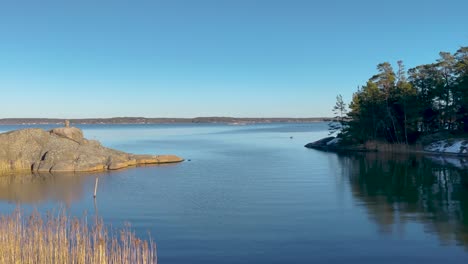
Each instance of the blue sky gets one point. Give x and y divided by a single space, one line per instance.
175 58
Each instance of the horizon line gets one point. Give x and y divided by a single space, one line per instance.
141 117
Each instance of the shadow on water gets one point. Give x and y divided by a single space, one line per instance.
399 189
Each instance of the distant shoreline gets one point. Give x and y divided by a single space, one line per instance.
144 120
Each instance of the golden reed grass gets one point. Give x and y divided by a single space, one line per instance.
57 238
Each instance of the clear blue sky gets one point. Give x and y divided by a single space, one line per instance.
175 58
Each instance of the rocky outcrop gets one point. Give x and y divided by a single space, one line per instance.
65 150
335 144
72 133
320 144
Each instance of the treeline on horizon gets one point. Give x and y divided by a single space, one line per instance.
399 106
145 120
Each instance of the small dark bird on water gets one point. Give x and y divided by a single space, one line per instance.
291 137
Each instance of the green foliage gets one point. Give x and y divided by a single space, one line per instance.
339 110
397 108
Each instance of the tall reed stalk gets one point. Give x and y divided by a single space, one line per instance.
59 239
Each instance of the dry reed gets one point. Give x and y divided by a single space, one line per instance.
60 239
395 147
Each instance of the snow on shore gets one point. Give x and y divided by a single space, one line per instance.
455 146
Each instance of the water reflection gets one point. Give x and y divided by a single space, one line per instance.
397 190
30 188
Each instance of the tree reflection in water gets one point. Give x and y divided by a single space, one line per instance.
400 189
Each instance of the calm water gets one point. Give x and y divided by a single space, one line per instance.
251 194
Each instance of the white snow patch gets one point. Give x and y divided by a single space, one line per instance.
446 146
455 148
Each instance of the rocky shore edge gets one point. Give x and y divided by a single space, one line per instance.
65 150
449 146
333 144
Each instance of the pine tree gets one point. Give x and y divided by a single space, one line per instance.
339 110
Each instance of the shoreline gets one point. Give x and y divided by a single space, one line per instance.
144 120
363 150
383 148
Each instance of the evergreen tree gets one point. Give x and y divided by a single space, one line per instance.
399 107
339 110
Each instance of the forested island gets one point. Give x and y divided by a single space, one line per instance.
407 109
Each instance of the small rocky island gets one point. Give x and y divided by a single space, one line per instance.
65 150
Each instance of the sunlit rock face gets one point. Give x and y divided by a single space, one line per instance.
65 150
72 133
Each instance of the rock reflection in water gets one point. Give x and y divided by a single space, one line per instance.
399 189
30 188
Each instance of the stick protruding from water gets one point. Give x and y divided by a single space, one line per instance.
95 187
